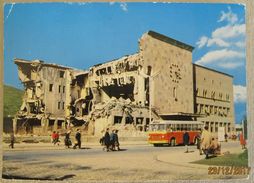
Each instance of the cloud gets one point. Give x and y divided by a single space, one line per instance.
124 6
240 93
230 65
218 56
229 16
240 44
229 31
202 41
218 42
226 43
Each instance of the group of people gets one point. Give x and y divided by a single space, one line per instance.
205 143
67 139
110 141
209 144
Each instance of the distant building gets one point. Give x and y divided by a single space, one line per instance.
161 77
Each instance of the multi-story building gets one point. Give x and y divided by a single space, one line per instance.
158 82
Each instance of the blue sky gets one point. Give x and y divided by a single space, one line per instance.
83 34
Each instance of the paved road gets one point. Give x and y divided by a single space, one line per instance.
134 162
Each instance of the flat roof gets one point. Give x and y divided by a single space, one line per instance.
23 61
213 70
170 40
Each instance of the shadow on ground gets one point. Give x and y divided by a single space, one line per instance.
4 176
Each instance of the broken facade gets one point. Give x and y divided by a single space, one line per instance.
158 82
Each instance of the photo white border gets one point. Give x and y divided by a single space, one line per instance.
249 13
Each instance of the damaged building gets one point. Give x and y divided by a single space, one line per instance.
158 82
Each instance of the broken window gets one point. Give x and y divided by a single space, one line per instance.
117 119
50 87
61 74
128 120
139 121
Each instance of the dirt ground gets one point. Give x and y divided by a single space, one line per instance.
136 162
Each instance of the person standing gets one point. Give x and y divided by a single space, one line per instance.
67 140
12 140
78 140
107 139
242 141
57 138
186 139
116 140
53 137
198 138
206 138
112 142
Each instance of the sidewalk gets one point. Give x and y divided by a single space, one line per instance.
185 159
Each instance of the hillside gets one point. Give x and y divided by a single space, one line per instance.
12 100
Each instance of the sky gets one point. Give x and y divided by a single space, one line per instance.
80 35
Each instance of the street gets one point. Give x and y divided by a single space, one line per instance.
132 163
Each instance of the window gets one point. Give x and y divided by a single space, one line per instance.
78 93
61 74
174 94
117 119
220 96
59 103
63 89
204 93
213 94
59 89
128 120
139 121
63 106
50 87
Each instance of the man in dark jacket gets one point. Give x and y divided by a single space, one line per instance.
116 140
78 140
107 139
186 139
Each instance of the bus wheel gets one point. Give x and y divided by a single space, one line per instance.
173 142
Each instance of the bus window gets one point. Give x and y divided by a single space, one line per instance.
178 127
161 127
185 127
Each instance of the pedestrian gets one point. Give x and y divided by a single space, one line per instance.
57 138
116 140
78 140
226 137
12 139
53 137
186 139
198 138
67 140
112 140
242 141
107 139
206 138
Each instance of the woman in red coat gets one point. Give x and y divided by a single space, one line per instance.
242 141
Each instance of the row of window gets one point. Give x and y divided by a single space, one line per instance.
213 126
212 95
60 88
60 106
212 110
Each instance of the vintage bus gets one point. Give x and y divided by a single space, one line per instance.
171 132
